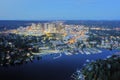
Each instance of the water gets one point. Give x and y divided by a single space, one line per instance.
49 68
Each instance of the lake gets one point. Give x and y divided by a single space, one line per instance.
51 68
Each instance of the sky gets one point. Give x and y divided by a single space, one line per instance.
59 9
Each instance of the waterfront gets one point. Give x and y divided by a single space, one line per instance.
47 67
59 40
54 50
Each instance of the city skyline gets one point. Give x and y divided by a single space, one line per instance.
59 10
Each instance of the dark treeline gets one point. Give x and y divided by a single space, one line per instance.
108 69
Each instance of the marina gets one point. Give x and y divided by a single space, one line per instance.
66 65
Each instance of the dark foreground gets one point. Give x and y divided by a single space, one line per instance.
47 68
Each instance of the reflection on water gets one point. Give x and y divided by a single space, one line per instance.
47 67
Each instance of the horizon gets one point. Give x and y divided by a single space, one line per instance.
58 20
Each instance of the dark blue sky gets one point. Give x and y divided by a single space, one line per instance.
60 9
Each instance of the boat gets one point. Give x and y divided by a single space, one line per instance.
87 52
57 56
81 51
78 75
